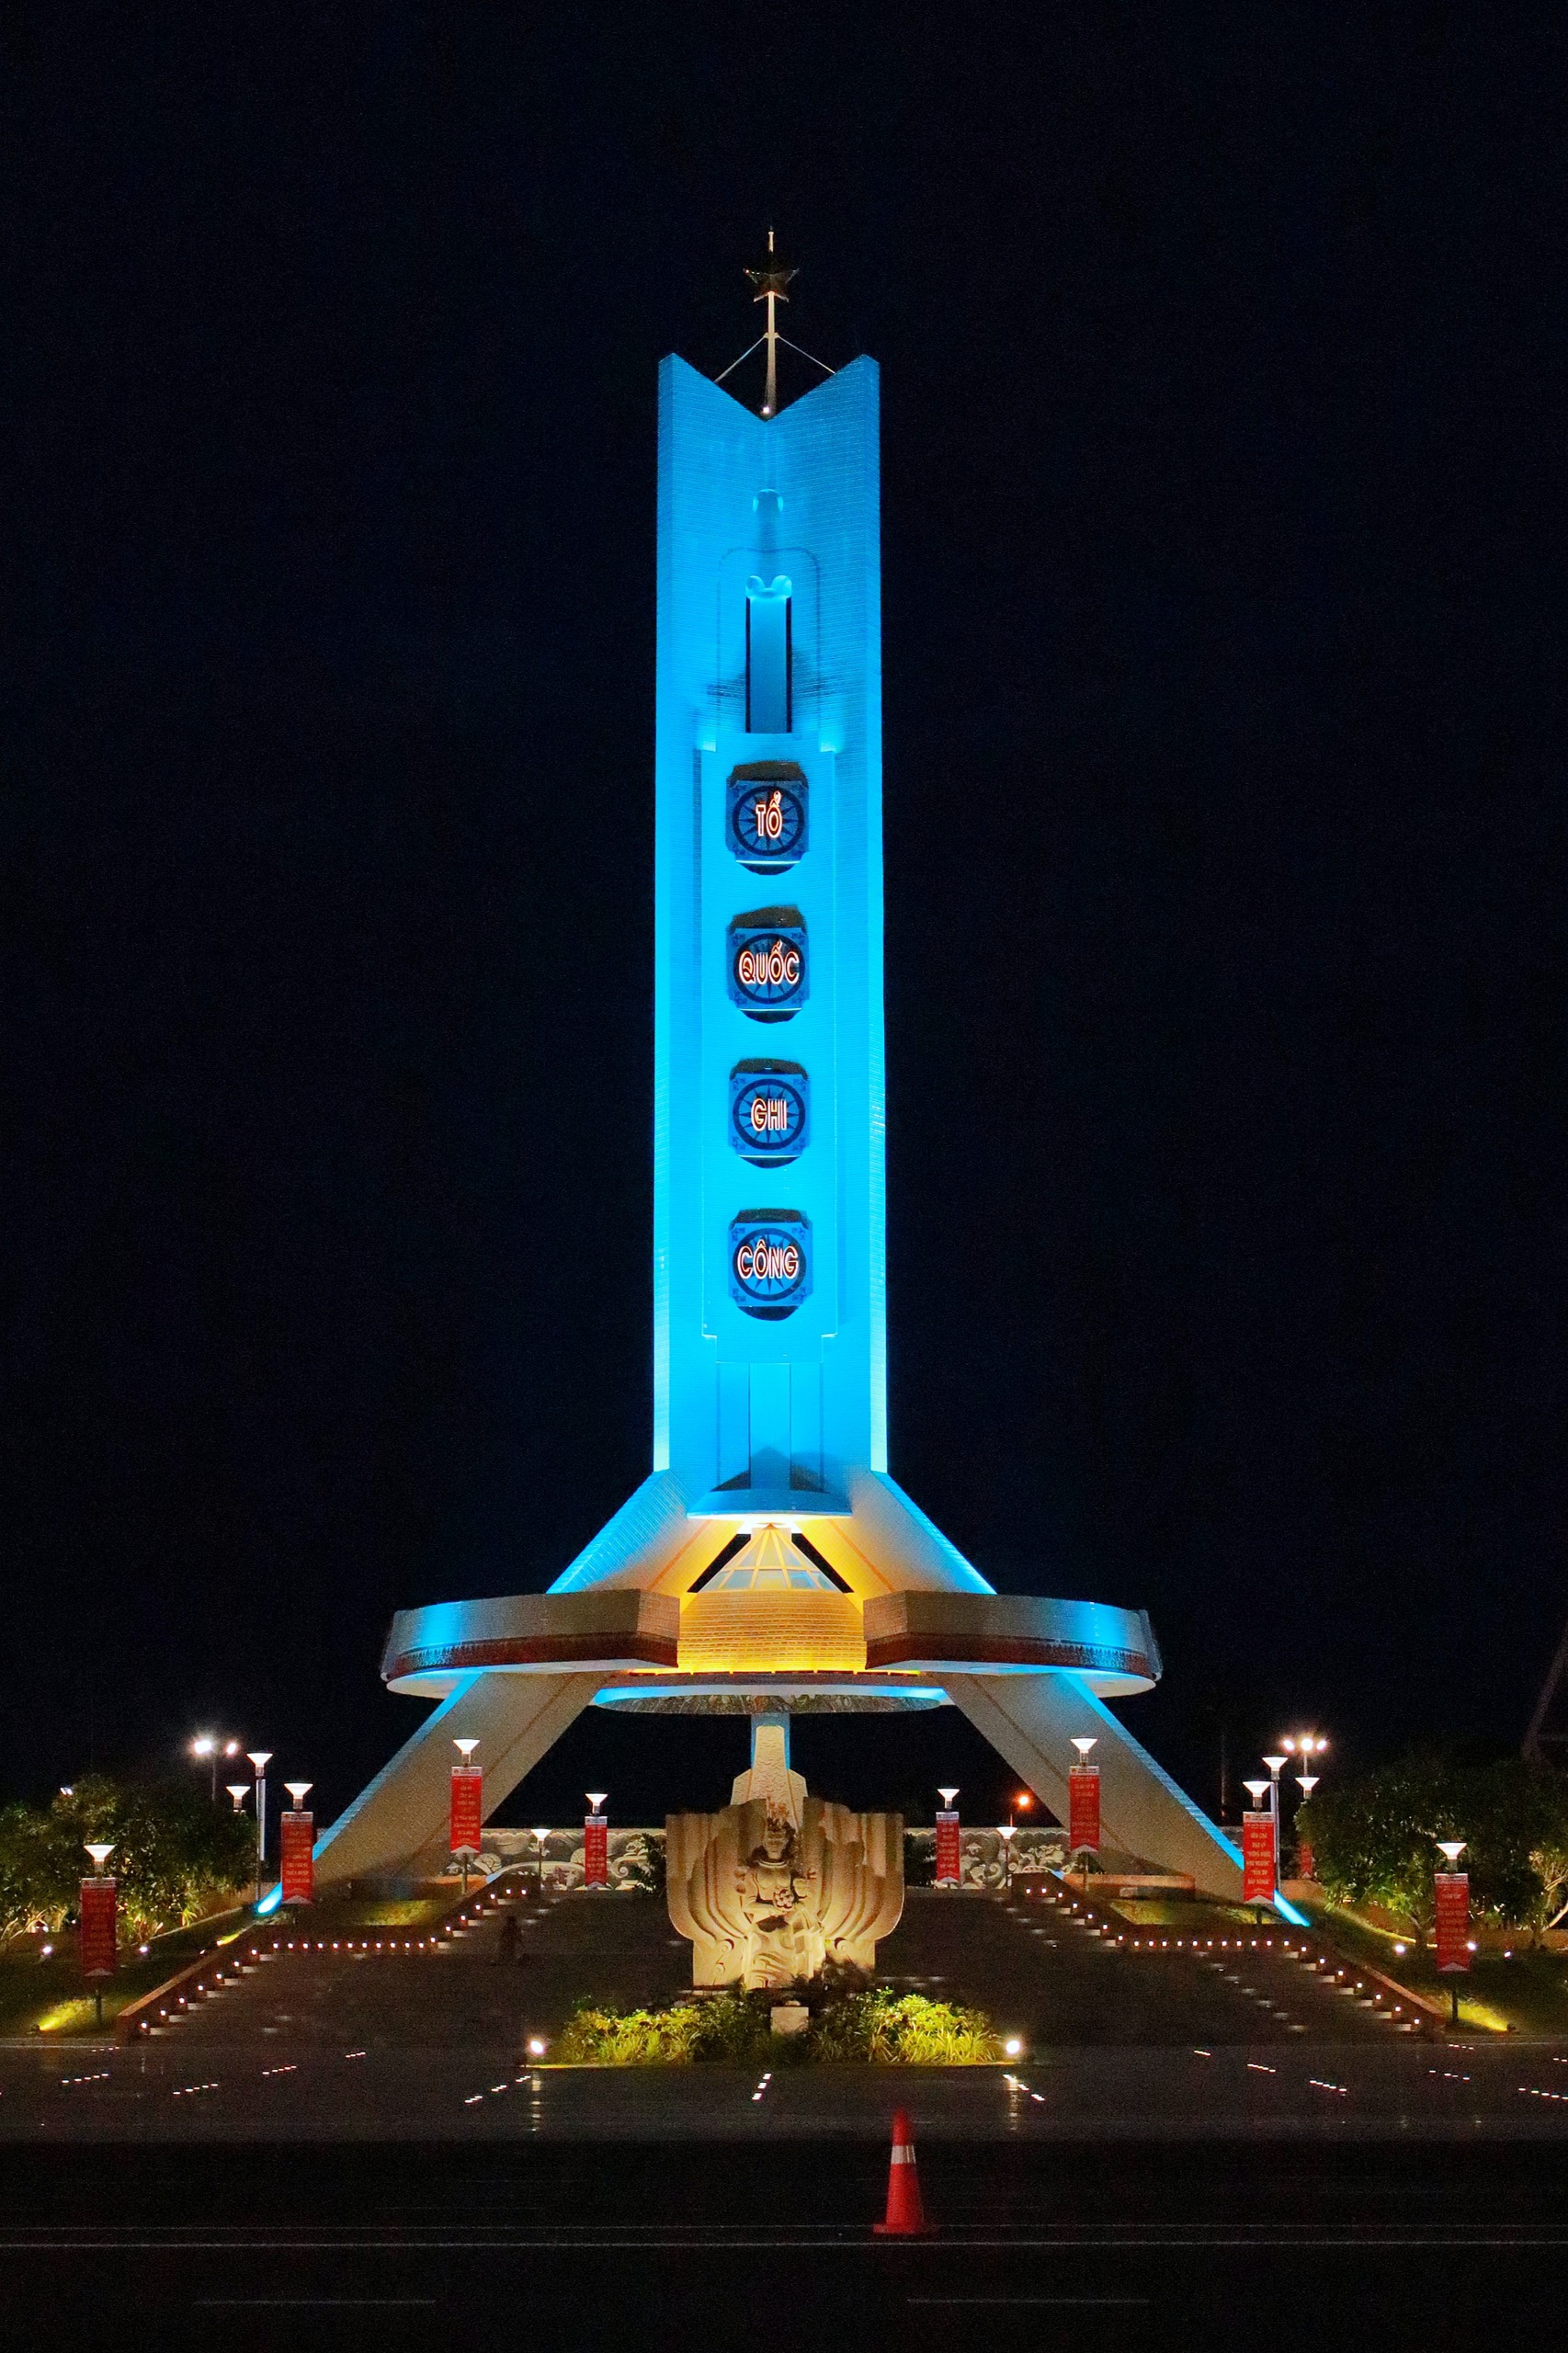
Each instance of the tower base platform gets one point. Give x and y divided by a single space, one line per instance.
871 1609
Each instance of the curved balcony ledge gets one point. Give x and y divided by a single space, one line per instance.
596 1632
990 1633
614 1631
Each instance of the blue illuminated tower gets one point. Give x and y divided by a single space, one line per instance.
769 1386
769 1561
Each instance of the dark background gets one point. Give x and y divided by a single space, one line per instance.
1223 577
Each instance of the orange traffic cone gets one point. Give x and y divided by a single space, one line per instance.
906 2215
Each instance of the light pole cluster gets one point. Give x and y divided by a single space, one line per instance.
1083 1825
1261 1827
1265 1795
207 1747
258 1759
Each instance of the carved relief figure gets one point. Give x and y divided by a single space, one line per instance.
778 1883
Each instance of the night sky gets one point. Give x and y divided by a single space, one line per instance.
1223 362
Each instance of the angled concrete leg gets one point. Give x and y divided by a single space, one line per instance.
1031 1720
516 1718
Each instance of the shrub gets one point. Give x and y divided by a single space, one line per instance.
732 2029
905 2030
629 2037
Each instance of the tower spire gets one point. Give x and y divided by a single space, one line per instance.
770 282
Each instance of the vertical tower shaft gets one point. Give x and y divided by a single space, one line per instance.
768 1277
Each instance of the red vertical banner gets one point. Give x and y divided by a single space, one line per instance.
1451 1903
1258 1873
1305 1856
595 1850
97 1935
950 1851
1084 1809
298 1858
468 1809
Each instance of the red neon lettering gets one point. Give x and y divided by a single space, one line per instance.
775 967
769 817
767 1262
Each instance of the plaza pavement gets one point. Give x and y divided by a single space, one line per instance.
1125 2035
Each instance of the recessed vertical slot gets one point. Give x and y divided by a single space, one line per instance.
805 1426
735 1424
770 657
770 1425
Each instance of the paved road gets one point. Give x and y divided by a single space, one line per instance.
697 2244
183 2091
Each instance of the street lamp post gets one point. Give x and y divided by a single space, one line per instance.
100 1925
1276 1765
260 1758
1303 1747
1306 1783
596 1840
1451 1849
1007 1832
465 1750
1257 1792
1084 1806
296 1848
949 1848
542 1833
207 1748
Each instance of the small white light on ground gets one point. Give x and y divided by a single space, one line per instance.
536 2046
1013 2045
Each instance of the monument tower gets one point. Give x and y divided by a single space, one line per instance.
769 1563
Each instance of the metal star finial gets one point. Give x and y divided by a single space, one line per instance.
772 278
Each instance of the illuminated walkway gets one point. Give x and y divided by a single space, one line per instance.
1124 2033
1048 1966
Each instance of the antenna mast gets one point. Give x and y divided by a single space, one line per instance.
770 282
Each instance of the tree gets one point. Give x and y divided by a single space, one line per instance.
1374 1837
175 1855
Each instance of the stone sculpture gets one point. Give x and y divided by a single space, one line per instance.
778 1885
